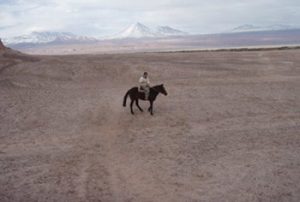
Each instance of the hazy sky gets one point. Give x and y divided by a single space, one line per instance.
105 17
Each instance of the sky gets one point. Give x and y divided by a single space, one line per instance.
106 17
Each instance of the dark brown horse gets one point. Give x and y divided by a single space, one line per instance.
135 95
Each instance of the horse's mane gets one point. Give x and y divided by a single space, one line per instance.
157 86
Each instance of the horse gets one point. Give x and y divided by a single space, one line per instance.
135 95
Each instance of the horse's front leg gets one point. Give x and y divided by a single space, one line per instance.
131 104
151 108
137 104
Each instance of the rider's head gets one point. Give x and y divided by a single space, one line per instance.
145 75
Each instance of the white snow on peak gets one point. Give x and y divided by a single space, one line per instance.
138 30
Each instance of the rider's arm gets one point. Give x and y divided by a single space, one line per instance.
141 80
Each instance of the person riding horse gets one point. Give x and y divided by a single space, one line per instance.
145 85
144 92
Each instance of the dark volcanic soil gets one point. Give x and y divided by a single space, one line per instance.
229 130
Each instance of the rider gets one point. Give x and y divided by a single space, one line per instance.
145 84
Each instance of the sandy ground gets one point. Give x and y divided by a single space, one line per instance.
229 130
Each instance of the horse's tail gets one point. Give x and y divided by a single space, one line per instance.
125 98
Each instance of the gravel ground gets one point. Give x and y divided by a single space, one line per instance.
229 129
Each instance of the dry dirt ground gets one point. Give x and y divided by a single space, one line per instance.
229 130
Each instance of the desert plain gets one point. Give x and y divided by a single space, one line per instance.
229 129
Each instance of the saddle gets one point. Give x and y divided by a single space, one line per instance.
141 89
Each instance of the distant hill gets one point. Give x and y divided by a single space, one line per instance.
2 47
255 28
10 57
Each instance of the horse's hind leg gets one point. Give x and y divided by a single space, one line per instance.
131 104
137 104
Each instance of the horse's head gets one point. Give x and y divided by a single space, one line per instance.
162 89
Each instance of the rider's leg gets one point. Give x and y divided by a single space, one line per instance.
147 92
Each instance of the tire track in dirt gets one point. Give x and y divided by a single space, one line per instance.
100 152
83 179
113 129
129 178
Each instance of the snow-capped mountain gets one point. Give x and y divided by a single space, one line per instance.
48 37
169 31
254 28
138 30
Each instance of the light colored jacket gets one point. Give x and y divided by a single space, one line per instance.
144 82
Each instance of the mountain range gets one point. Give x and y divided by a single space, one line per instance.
48 37
134 31
256 28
